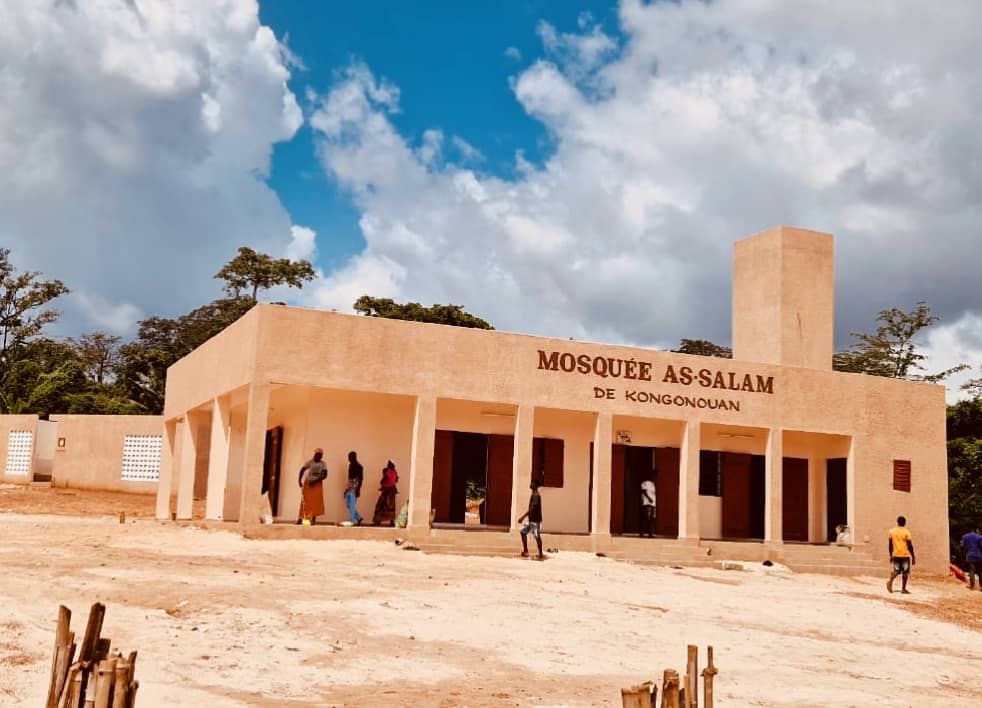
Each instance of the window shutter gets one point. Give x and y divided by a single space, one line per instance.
554 452
901 475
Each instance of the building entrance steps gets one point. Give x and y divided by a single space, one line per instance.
500 542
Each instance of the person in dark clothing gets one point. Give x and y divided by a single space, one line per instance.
972 546
534 523
352 491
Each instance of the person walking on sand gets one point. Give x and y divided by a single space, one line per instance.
648 507
311 481
972 546
352 491
901 554
534 523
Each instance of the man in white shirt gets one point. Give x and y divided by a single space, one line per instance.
648 507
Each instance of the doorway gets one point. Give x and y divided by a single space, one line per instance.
630 466
271 467
478 459
742 490
836 496
794 499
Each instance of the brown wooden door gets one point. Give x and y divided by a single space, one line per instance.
618 460
442 475
667 461
271 467
794 493
497 505
736 495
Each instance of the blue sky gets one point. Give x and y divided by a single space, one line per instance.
449 60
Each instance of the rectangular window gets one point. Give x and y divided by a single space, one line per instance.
710 464
141 458
548 461
901 475
20 452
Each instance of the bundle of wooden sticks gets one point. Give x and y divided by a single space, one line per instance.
675 693
97 678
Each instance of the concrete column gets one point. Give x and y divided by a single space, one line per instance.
689 481
521 466
167 458
816 499
773 487
218 458
186 469
421 465
857 537
600 504
250 505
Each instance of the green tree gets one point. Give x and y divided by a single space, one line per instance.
703 347
99 352
964 470
892 351
974 387
141 372
24 313
254 271
453 315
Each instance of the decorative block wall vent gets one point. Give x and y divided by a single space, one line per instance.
20 452
141 458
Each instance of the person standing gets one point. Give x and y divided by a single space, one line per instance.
385 507
972 546
534 524
352 491
901 554
648 507
311 481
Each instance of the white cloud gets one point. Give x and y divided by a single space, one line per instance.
950 344
134 136
100 314
513 53
700 124
468 152
303 244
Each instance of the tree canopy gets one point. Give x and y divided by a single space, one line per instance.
703 347
253 271
892 350
438 314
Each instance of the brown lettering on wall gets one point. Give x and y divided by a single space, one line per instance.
607 367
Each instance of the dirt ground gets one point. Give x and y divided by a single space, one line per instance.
223 621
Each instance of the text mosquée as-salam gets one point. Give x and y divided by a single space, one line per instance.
634 370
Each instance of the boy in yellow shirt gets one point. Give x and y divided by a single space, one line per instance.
901 554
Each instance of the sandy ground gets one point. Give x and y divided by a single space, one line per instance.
222 621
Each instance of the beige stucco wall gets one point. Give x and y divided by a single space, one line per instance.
7 424
92 455
222 364
376 426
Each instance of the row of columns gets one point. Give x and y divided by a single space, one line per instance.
181 447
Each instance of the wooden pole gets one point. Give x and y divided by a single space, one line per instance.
637 696
670 689
96 615
105 681
121 684
707 679
692 678
61 644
